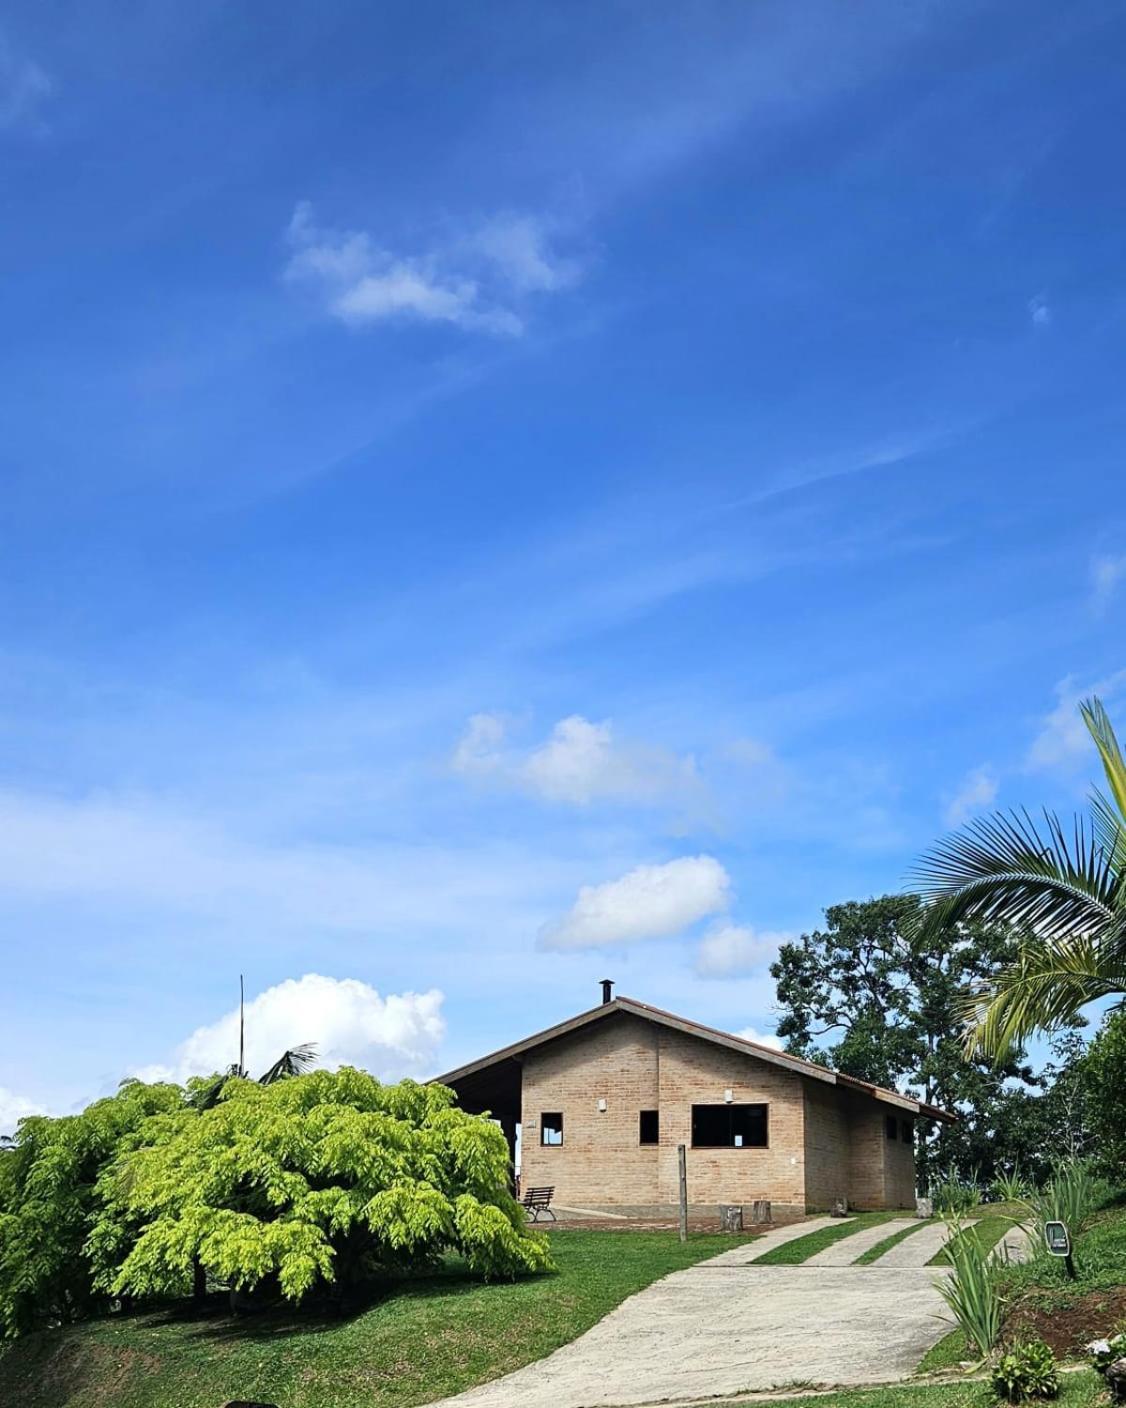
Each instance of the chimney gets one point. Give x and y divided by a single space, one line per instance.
607 990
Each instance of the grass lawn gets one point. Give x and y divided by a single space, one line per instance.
1081 1390
802 1248
425 1339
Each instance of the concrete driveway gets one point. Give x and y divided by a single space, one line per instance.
728 1326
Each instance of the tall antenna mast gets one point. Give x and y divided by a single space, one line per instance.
241 1027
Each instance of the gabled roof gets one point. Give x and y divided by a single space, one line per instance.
632 1007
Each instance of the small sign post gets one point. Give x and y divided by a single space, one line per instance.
1058 1241
683 1171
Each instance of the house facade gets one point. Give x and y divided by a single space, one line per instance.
603 1100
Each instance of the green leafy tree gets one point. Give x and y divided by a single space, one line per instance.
877 996
1064 886
321 1179
48 1178
1104 1072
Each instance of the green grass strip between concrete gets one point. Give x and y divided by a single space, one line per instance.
874 1253
802 1248
988 1229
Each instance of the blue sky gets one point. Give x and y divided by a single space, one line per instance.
499 496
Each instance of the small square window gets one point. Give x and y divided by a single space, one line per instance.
551 1128
892 1127
649 1127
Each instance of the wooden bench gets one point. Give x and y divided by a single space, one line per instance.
537 1200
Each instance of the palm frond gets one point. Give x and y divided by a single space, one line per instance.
1043 990
1114 765
1004 869
294 1062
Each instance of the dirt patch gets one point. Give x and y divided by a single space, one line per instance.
1068 1324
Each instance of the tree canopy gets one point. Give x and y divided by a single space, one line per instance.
877 995
320 1180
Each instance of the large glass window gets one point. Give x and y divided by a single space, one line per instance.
729 1126
551 1128
649 1127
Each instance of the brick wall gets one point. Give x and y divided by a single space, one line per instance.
693 1071
823 1143
827 1171
600 1162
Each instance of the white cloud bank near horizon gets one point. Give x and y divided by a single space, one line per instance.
350 1022
649 902
14 1108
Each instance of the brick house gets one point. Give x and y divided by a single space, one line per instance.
603 1100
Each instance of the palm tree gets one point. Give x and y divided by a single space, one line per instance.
1064 886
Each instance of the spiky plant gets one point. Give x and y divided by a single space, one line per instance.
1064 887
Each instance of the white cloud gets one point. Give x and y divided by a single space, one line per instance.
14 1108
1039 311
1063 740
650 902
1106 574
580 762
762 1038
478 282
23 88
977 791
732 950
519 248
349 1021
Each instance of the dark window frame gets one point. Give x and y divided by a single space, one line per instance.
733 1109
907 1131
553 1120
891 1128
651 1136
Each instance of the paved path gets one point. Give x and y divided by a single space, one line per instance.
917 1249
845 1252
728 1326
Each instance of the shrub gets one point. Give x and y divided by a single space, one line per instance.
322 1179
954 1195
1104 1070
1027 1371
1010 1187
1072 1195
48 1177
971 1289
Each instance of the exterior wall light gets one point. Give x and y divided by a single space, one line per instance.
728 1096
602 1107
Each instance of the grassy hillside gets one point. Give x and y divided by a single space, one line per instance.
423 1340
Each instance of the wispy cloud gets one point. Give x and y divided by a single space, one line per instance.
579 763
735 950
650 902
1106 574
24 87
1063 740
977 790
350 1022
480 281
1039 311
